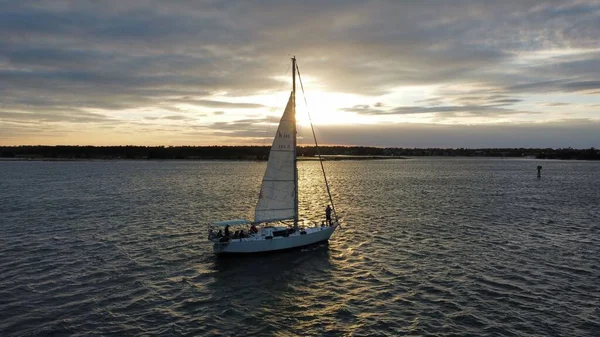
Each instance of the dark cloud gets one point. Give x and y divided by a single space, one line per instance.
256 129
557 86
492 106
79 117
176 117
582 86
469 110
217 104
249 121
506 101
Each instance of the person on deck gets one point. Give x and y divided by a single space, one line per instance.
227 234
328 214
253 229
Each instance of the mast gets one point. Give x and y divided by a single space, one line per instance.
295 143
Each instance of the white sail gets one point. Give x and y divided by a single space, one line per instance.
276 200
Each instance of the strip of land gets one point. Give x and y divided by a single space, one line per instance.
262 152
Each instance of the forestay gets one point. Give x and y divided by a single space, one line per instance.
276 200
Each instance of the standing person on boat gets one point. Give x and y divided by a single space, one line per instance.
328 214
227 231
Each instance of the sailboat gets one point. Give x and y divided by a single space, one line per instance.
278 199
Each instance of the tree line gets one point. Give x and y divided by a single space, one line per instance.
262 152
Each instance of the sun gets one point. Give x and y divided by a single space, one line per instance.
327 108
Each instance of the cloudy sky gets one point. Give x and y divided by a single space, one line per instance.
511 73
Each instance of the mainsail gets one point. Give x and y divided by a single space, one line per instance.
277 198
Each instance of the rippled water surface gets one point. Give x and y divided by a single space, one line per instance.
428 247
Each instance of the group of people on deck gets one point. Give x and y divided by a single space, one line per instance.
238 234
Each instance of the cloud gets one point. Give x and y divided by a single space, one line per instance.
79 117
582 86
217 104
454 111
557 86
556 104
176 117
65 61
506 101
464 107
241 124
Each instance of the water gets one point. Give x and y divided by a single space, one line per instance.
428 247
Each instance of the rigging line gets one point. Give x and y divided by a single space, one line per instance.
316 144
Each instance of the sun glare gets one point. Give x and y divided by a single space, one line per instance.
326 108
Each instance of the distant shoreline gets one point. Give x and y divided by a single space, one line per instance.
261 153
301 159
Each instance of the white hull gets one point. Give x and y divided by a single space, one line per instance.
260 244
